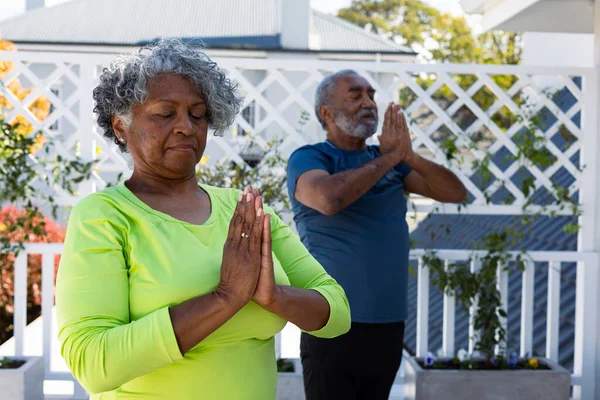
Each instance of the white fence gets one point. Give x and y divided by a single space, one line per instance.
585 330
279 103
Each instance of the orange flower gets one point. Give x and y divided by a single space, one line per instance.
21 125
39 143
6 66
40 106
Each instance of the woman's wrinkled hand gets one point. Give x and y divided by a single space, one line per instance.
241 264
266 290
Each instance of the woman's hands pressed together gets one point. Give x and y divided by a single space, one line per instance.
267 291
246 274
307 309
247 266
240 265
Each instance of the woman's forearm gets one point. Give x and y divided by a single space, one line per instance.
195 319
307 309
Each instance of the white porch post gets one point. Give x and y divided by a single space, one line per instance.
587 317
596 236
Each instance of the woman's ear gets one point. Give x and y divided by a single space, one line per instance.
120 129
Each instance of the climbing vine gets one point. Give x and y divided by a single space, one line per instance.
496 250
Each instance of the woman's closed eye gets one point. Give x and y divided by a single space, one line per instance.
164 114
197 115
169 115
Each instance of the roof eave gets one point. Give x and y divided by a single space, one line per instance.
494 16
472 6
240 48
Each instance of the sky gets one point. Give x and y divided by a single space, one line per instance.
10 8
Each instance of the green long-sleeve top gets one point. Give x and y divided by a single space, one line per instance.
124 264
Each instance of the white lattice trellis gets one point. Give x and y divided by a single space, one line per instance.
279 102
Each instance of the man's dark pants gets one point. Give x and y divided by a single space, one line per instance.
360 365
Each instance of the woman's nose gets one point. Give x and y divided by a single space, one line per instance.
184 125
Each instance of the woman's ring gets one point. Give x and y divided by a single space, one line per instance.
245 235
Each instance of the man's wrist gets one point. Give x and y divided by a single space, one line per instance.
411 160
389 160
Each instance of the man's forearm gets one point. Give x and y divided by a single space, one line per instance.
344 188
444 184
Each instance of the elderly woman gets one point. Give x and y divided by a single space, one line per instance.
170 289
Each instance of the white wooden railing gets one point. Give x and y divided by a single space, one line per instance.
586 294
585 329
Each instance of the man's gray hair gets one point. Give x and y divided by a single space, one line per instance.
124 83
325 89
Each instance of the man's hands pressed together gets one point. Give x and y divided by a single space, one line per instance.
395 135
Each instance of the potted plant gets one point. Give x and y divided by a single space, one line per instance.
291 382
22 378
492 371
485 378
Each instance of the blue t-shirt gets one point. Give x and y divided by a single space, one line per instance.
365 246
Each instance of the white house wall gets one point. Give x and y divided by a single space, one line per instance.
557 50
566 16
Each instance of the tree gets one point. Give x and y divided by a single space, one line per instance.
405 21
445 38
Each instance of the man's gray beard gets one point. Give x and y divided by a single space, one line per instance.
356 126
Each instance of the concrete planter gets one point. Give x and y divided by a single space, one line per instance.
422 384
25 382
291 384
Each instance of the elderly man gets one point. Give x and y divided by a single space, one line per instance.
349 206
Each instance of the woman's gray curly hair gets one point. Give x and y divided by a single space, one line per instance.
124 83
